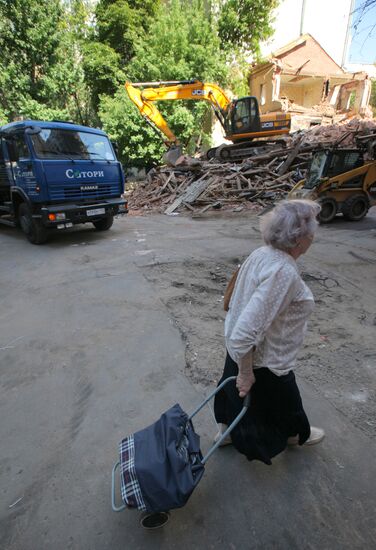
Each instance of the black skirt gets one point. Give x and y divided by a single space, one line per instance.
275 413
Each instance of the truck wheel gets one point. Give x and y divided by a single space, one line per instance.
328 210
104 224
355 208
35 232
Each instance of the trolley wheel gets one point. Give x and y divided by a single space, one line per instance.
355 208
154 520
328 210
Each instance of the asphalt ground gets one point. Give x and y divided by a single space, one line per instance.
90 351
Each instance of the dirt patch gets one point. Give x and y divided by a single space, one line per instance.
338 356
193 293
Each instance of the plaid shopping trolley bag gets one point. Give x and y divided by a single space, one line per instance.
161 465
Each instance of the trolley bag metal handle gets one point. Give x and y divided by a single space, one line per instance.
113 498
246 403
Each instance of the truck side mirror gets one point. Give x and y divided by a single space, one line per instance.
33 130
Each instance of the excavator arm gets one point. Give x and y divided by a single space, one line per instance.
144 94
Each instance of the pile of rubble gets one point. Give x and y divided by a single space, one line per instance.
197 185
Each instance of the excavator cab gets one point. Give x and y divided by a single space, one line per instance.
242 117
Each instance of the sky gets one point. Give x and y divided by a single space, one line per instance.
363 33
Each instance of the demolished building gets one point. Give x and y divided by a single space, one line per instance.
301 78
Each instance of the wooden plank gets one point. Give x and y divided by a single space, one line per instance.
200 212
187 205
290 157
190 194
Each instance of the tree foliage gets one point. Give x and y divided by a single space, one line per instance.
372 101
181 44
136 140
120 23
41 75
243 24
69 59
29 38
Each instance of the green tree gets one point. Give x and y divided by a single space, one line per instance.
372 100
29 37
243 24
136 140
101 67
181 44
66 80
110 45
41 74
120 23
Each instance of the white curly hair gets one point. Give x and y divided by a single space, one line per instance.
289 221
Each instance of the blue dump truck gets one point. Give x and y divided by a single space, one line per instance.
54 175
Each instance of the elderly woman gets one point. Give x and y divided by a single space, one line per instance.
264 330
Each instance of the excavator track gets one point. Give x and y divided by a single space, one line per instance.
239 151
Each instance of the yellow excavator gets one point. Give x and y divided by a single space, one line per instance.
342 181
240 118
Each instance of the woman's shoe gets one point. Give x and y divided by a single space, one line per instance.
317 435
227 440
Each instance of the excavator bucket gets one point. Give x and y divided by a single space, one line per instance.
172 155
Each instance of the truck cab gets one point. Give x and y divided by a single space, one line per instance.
54 175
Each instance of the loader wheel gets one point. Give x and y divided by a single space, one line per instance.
104 224
355 207
35 232
328 210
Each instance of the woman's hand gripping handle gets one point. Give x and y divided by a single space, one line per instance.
246 377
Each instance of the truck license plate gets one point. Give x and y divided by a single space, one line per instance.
95 211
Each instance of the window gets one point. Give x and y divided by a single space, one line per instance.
241 115
327 164
245 112
351 100
262 94
316 170
325 89
18 148
343 161
59 144
276 86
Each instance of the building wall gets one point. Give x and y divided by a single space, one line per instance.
293 93
317 18
309 58
264 78
306 94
